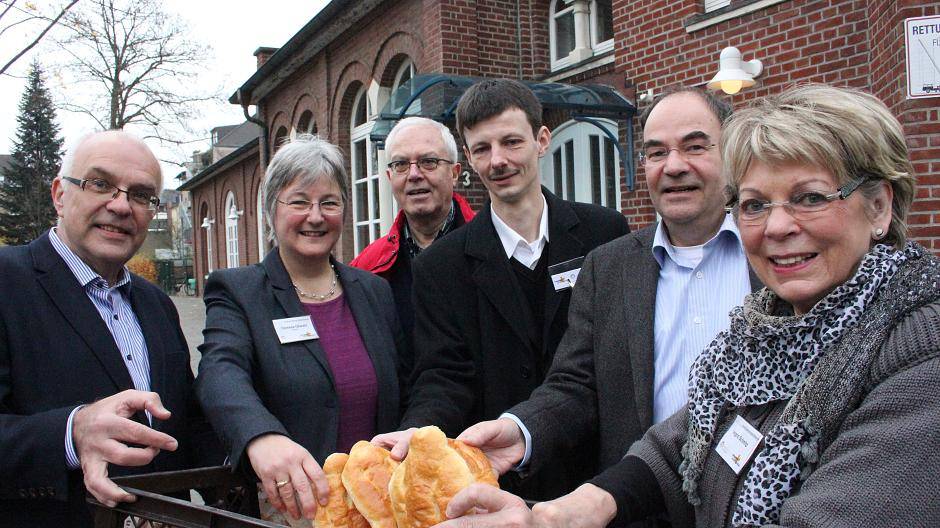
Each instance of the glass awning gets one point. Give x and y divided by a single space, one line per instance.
435 96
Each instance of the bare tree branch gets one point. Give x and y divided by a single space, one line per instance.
143 63
9 7
37 39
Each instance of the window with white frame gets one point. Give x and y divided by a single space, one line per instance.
715 5
602 25
583 164
231 231
365 178
207 225
578 30
262 239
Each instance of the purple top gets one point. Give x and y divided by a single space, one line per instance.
353 373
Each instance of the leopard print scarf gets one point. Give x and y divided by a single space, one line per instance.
764 357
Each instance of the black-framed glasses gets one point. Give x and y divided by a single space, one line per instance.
657 154
139 199
801 206
425 164
328 207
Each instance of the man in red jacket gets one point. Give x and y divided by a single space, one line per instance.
422 170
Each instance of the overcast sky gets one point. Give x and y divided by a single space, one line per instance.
233 29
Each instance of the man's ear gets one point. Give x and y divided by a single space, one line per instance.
455 174
544 139
57 191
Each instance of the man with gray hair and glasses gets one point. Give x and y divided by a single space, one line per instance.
644 306
94 369
422 170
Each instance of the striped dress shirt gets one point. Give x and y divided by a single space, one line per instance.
697 288
114 307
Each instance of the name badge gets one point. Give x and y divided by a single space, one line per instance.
565 274
737 446
293 329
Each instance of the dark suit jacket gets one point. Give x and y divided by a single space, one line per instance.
600 387
250 384
55 354
473 355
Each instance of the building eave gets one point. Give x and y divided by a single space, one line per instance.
322 30
206 175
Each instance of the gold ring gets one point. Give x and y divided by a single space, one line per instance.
282 483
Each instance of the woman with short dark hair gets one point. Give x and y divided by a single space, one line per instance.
301 353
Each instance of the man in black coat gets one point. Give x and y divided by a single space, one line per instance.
94 370
491 299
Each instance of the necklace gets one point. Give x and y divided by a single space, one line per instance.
317 296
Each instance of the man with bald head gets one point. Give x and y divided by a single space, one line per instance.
94 369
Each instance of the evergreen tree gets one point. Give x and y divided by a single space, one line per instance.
26 209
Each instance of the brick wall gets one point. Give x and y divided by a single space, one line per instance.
240 178
920 117
854 43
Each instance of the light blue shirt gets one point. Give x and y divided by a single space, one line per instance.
114 307
697 288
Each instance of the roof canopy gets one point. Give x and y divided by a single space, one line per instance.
435 96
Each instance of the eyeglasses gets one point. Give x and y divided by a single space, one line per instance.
425 164
802 206
327 207
658 154
137 199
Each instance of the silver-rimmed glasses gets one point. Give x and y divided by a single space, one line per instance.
402 167
327 207
801 206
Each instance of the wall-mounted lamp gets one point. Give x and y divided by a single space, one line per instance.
233 214
733 73
206 223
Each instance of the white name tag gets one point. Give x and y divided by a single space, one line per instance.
737 446
565 279
293 329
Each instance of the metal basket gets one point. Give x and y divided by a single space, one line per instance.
233 499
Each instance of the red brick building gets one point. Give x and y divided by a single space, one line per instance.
335 76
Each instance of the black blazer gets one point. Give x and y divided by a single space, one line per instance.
250 384
473 356
600 388
55 354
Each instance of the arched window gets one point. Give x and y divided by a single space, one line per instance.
583 165
206 225
231 231
306 124
365 178
405 72
262 238
280 138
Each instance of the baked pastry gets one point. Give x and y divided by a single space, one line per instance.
435 470
366 478
339 512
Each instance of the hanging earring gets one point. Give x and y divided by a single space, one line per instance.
879 233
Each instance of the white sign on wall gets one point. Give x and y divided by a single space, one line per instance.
922 45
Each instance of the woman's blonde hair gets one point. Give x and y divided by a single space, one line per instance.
845 131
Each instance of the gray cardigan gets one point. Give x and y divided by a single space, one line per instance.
879 470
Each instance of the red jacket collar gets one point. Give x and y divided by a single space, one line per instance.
379 256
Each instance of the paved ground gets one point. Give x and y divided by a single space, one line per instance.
192 318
